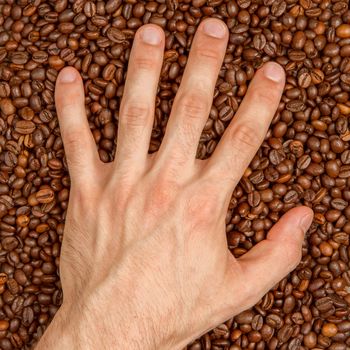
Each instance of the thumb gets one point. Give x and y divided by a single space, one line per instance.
272 259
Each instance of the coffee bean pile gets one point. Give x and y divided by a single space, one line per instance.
305 157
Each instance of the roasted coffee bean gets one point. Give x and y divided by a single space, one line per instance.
116 35
285 333
329 330
45 196
7 107
24 127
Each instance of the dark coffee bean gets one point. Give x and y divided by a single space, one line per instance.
257 322
291 197
274 321
113 5
295 106
9 243
297 55
17 305
245 317
304 80
285 333
259 41
339 203
116 35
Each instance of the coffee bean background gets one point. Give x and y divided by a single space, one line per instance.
304 159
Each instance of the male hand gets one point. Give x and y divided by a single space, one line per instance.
144 262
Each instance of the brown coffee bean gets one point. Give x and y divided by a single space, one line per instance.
9 243
329 330
295 106
28 316
326 249
284 333
7 107
274 321
304 80
289 304
25 127
343 31
109 72
297 55
45 196
116 35
113 5
4 325
245 317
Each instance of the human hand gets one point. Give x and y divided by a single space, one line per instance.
144 261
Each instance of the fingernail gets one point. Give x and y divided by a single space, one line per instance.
274 72
151 36
68 75
306 221
214 28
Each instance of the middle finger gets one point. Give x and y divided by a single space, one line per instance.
194 98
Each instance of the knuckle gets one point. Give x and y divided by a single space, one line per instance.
178 158
264 97
135 113
163 194
245 135
194 105
208 53
202 209
145 63
72 144
82 197
71 138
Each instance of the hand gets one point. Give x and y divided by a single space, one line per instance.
144 262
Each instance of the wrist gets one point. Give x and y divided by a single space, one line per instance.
71 330
57 335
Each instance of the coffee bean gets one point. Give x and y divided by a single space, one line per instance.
297 55
25 127
329 330
259 41
343 31
245 317
27 316
317 76
108 72
304 80
116 35
112 5
7 107
45 196
295 106
9 243
257 322
274 321
284 333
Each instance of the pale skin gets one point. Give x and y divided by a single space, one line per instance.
144 261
